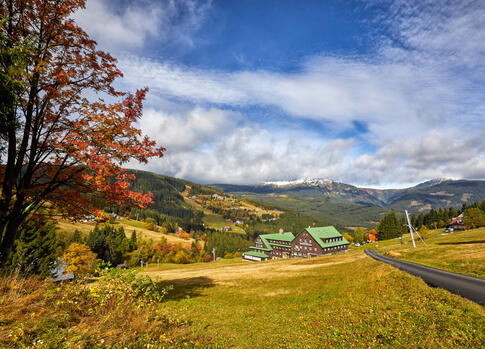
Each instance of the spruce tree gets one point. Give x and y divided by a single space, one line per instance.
389 227
34 250
133 242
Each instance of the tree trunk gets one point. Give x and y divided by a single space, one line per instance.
10 233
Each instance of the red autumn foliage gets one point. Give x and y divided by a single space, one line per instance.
57 145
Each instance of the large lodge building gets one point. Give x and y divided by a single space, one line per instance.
311 242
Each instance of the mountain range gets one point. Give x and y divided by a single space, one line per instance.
350 205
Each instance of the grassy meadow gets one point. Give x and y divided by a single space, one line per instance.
346 300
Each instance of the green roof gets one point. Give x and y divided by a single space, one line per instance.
256 254
324 232
319 233
334 243
286 237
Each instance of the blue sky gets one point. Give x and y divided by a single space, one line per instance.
376 93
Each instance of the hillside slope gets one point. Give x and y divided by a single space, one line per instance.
196 206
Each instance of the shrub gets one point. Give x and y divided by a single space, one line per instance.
228 256
237 254
181 258
149 224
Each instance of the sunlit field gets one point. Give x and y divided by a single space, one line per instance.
340 300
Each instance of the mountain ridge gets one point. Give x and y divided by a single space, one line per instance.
355 206
342 192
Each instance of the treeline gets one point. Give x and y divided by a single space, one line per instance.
440 218
169 205
226 243
190 220
289 221
234 214
394 224
111 245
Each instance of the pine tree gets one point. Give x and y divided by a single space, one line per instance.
389 227
452 213
75 237
35 250
133 242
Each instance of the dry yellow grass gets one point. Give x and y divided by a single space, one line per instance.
230 272
70 227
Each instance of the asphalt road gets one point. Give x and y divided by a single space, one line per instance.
466 286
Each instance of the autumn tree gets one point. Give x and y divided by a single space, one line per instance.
349 238
79 259
56 144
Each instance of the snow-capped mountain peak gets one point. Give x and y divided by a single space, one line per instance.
301 181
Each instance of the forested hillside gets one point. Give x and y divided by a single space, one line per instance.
223 221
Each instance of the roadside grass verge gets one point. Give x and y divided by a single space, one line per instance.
460 252
346 300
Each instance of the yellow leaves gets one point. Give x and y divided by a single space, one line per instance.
79 259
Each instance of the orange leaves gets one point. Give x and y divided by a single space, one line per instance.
78 145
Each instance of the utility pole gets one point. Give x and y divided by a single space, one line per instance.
410 228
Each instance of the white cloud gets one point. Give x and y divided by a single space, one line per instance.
191 130
117 27
210 145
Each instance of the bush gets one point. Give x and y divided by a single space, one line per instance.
237 254
181 258
149 224
228 256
